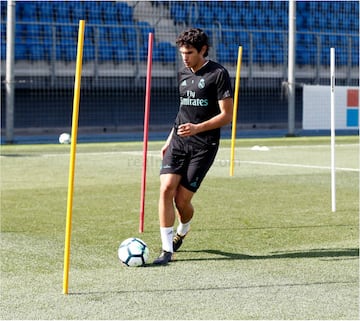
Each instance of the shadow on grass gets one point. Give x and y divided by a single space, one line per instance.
350 253
315 253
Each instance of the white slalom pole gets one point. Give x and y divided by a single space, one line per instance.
332 104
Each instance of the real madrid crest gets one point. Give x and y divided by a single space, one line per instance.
201 83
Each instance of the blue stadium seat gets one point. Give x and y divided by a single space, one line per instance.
29 11
70 53
232 51
46 12
105 53
235 19
325 56
103 34
125 12
20 31
88 52
277 55
61 12
206 16
47 34
341 56
355 56
39 51
21 51
3 9
228 36
167 51
223 54
66 33
33 32
78 11
302 55
145 29
120 53
157 55
178 12
3 51
110 11
3 32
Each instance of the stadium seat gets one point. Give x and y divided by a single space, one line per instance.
228 36
33 32
341 56
110 12
29 11
302 55
3 51
178 12
277 54
125 12
156 55
145 29
232 16
66 33
39 51
70 53
105 53
21 51
45 11
20 31
355 56
77 11
120 53
61 12
3 8
167 52
88 52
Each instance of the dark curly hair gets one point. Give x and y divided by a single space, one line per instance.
194 37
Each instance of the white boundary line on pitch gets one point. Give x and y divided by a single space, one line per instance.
345 169
157 154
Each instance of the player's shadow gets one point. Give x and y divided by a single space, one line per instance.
313 253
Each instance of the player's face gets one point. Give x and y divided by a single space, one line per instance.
191 57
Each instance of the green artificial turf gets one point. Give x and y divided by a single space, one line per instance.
264 244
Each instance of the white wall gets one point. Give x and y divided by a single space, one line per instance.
316 107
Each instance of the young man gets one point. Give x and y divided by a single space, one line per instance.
206 105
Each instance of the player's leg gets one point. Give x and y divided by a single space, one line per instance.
185 212
169 184
168 187
199 165
185 209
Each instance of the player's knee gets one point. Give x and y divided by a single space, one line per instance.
167 191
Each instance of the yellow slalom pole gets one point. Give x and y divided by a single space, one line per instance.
74 128
236 99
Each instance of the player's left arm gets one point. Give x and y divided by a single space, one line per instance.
223 118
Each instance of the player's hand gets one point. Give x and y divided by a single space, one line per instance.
187 129
163 150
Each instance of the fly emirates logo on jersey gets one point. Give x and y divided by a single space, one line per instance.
191 100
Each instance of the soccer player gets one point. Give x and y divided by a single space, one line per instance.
206 104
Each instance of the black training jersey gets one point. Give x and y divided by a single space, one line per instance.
199 96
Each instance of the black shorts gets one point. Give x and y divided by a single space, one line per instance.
190 161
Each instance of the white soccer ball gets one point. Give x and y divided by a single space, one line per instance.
133 252
64 138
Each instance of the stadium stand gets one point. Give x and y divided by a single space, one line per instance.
115 54
35 19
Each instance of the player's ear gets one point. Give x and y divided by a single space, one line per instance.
203 50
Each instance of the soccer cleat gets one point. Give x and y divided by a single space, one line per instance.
164 258
177 241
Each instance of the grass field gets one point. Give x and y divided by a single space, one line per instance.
264 243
